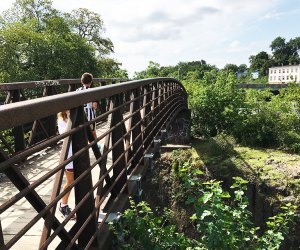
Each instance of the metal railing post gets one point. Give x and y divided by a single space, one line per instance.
81 163
118 156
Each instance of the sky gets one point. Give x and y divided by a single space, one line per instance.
172 31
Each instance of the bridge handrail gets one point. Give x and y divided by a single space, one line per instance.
14 114
45 83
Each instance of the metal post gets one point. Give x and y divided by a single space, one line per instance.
81 163
163 135
157 143
148 162
118 150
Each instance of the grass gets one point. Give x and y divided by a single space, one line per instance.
278 170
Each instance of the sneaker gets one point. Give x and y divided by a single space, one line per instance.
66 210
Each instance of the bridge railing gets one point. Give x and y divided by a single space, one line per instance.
132 125
45 127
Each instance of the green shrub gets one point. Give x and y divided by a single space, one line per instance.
140 229
223 222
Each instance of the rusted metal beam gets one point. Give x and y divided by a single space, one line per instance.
116 135
33 198
79 140
135 121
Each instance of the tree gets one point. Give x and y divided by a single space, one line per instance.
38 42
260 63
285 53
295 47
281 51
89 25
215 106
230 68
182 71
24 10
49 54
109 68
242 68
152 70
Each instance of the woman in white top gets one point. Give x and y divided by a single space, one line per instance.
62 120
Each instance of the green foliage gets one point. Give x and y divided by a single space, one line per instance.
270 121
224 225
228 225
283 53
38 42
7 142
140 228
277 228
221 219
187 173
215 106
260 63
254 118
182 71
90 26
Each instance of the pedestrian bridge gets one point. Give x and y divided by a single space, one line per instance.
134 118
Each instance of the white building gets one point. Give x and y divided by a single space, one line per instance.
284 74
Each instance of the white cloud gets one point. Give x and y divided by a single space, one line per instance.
169 31
272 15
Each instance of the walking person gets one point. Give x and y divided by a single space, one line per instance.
89 108
62 120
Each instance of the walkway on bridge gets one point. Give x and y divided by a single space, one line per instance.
17 216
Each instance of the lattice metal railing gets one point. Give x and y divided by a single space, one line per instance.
136 113
44 128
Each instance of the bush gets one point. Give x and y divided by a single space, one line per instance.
140 229
215 106
222 221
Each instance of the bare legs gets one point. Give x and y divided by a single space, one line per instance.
70 179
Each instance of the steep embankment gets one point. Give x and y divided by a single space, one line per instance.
273 175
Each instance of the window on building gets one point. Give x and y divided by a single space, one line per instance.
283 71
274 78
296 70
274 71
283 78
271 72
270 78
279 71
291 70
287 77
279 78
287 71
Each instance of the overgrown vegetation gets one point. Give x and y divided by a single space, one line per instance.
221 221
254 118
